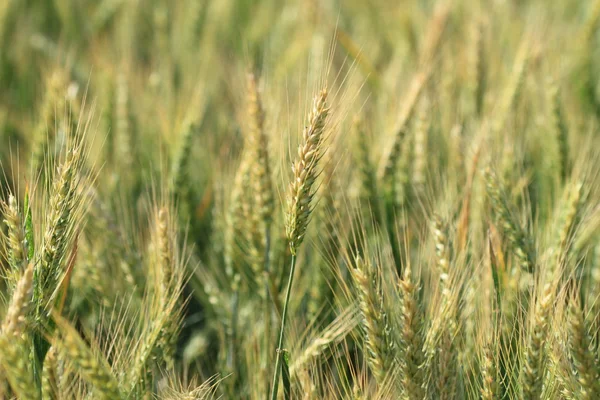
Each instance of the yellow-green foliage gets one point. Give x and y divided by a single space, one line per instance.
299 199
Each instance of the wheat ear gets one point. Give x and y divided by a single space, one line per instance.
15 342
17 253
534 368
559 124
503 214
93 367
259 146
49 381
582 353
378 339
489 387
411 342
305 172
59 228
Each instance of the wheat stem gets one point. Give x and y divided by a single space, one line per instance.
280 350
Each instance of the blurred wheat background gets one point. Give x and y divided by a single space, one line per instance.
299 199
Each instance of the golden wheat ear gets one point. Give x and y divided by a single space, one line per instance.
305 172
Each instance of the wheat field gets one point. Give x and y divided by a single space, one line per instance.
232 199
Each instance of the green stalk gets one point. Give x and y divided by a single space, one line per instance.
281 330
267 307
231 360
390 218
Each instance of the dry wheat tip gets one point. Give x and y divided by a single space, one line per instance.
306 172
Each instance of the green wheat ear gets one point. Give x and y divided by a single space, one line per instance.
90 365
379 342
181 159
535 358
504 215
59 227
15 340
49 376
581 349
411 337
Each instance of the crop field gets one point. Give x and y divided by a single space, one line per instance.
300 199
